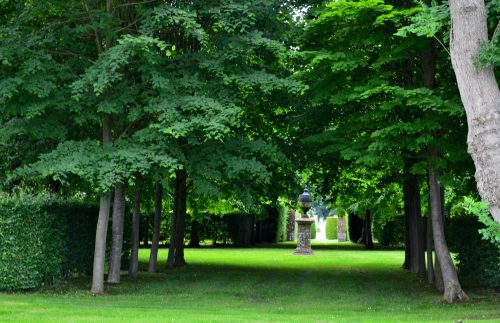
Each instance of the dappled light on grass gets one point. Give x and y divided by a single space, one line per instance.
341 282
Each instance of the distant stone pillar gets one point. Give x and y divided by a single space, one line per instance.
290 226
304 237
341 231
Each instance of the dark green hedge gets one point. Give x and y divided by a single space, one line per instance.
331 228
392 232
42 239
478 259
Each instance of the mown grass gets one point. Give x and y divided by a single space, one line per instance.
339 283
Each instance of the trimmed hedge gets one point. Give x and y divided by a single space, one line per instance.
331 228
41 240
478 259
392 233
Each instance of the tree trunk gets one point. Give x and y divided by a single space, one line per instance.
115 260
153 257
100 245
438 275
181 219
452 289
102 224
136 218
195 236
145 233
173 232
407 261
368 230
480 96
415 244
430 263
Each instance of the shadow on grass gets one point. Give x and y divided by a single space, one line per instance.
348 246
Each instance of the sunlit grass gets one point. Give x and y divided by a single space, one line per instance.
340 282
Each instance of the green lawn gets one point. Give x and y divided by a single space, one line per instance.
338 283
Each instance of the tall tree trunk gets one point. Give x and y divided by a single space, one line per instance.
145 234
136 219
368 230
173 232
407 261
194 242
430 262
452 289
102 224
480 95
115 260
438 275
415 244
181 219
153 257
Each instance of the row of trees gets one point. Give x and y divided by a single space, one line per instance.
190 103
387 123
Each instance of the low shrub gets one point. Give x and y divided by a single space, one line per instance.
313 230
331 227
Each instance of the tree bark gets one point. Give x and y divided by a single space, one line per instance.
100 245
194 242
415 244
173 231
407 261
102 224
153 257
115 259
438 275
368 230
136 219
181 219
430 262
480 96
452 290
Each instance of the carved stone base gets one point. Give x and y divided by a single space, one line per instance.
304 236
341 230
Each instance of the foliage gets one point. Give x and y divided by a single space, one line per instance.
313 230
477 259
331 228
391 233
43 239
490 230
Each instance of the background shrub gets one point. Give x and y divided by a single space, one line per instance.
478 259
392 232
331 227
313 230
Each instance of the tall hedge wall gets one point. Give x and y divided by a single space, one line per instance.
42 239
331 228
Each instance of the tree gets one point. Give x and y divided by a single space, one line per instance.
480 95
136 218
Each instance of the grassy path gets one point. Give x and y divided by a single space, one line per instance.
339 284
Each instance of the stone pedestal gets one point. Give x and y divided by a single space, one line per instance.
341 231
304 236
